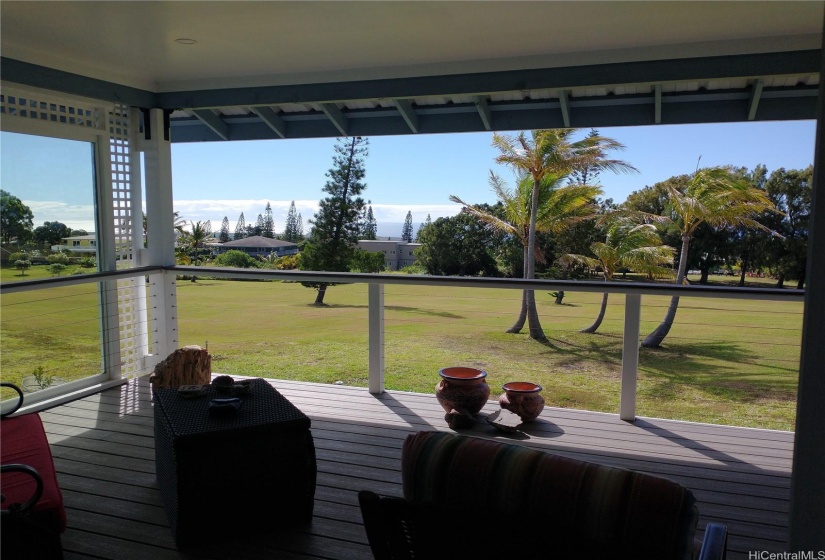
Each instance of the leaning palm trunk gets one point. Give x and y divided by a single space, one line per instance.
319 298
536 331
598 322
519 324
522 318
655 339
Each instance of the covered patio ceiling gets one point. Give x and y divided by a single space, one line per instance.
262 70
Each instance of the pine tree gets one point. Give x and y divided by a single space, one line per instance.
224 237
259 225
370 226
335 225
291 225
240 228
269 223
299 229
407 231
427 222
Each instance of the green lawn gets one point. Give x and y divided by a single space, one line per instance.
726 361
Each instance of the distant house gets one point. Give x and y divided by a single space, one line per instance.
397 253
79 244
258 246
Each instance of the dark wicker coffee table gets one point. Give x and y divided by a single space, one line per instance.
252 469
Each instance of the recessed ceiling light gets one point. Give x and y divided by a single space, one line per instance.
185 41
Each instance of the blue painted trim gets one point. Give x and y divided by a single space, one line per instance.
484 111
214 122
337 118
685 108
271 118
688 69
34 75
756 94
408 113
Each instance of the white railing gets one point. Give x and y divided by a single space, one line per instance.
632 293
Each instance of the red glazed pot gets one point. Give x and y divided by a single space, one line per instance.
463 389
522 398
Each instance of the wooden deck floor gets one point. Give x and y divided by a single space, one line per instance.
103 449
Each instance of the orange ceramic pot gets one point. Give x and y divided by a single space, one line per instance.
463 389
522 398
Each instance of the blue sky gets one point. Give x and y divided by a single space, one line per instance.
418 173
404 173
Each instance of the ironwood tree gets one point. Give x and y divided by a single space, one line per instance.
268 229
407 231
291 226
224 236
421 227
336 224
240 228
369 225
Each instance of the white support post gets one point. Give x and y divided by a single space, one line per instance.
376 338
630 356
160 237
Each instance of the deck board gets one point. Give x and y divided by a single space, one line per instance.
104 453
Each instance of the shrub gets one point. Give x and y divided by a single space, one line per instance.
236 259
366 261
88 262
22 265
58 258
56 268
288 262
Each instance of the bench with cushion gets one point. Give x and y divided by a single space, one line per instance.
33 515
468 497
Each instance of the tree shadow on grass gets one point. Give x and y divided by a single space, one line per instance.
682 364
714 368
401 308
576 352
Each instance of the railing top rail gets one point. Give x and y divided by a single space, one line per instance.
642 288
26 285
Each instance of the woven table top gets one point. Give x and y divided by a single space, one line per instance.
262 406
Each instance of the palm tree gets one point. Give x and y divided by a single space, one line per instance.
201 231
712 195
550 152
627 245
558 207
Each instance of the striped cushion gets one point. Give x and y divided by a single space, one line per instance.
568 506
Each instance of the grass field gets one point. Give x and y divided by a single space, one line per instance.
726 361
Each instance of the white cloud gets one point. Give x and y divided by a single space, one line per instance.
76 216
215 210
80 216
398 212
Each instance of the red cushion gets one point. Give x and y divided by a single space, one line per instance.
23 440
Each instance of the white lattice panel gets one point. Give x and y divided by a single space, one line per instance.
128 230
36 106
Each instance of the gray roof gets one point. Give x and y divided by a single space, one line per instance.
258 241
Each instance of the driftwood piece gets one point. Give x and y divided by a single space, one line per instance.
505 420
190 365
459 419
